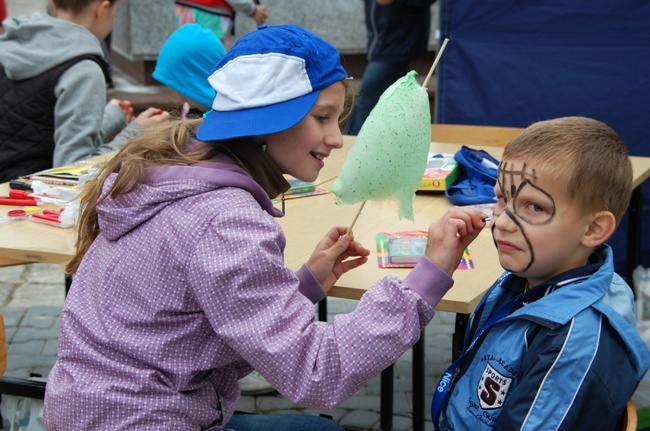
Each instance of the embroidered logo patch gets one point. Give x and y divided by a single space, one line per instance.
493 388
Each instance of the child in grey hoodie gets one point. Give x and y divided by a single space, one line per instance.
53 108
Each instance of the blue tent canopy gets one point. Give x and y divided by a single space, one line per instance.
511 63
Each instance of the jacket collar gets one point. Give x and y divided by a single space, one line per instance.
588 285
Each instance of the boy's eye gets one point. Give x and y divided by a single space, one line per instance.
533 213
322 118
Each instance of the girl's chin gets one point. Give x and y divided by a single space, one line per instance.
306 177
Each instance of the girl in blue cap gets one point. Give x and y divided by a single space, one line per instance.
180 288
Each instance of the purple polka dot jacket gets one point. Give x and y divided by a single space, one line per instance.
184 291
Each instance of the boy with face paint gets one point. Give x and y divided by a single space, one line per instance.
553 344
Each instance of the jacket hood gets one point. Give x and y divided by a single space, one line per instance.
34 44
164 185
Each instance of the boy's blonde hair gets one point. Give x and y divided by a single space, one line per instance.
586 155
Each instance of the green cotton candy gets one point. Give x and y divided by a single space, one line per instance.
389 157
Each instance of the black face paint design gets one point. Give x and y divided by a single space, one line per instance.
516 206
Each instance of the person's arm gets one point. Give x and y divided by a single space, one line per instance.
308 286
126 134
79 116
259 13
263 317
78 113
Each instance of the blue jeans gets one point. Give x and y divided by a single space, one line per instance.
279 422
377 77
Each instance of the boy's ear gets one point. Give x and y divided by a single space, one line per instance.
602 226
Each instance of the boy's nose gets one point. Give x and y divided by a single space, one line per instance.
504 220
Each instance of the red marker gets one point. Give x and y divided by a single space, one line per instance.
18 202
49 218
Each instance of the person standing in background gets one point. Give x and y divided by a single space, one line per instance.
218 16
398 32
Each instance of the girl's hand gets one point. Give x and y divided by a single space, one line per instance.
449 236
328 261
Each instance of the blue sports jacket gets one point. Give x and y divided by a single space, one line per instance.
568 360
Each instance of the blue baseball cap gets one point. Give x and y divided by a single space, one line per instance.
268 82
186 58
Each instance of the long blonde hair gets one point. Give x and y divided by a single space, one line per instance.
165 144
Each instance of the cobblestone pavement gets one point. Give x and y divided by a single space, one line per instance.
31 298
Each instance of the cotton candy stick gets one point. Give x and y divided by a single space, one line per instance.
356 217
435 62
